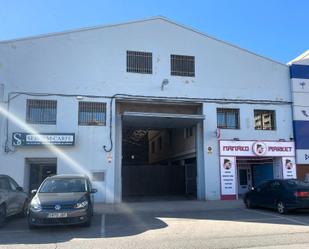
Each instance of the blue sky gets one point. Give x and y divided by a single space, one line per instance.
277 29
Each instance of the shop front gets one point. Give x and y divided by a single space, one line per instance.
245 164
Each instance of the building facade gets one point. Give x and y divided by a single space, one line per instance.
300 92
92 101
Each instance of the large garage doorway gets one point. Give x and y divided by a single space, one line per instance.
161 156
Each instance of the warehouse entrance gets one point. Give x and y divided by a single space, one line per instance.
160 156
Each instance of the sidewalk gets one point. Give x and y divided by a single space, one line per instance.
166 206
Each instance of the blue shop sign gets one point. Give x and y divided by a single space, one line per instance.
28 139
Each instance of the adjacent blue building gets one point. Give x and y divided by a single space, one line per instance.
299 71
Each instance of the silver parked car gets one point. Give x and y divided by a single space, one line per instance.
13 199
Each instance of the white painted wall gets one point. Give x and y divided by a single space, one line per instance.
93 62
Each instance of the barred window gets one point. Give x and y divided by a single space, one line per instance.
264 120
91 113
41 111
139 62
182 65
227 118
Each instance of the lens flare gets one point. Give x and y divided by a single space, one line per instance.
70 162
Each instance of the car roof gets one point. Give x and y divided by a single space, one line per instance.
67 176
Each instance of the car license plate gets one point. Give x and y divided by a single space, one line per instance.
57 215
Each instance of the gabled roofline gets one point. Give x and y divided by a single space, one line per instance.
300 57
139 21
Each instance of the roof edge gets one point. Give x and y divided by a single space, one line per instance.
300 57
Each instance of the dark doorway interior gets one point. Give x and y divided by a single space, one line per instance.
38 173
150 169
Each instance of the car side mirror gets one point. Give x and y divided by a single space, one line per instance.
34 191
19 189
93 191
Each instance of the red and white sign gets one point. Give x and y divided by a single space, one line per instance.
289 168
257 148
228 175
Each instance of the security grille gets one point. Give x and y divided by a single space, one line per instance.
41 111
228 118
91 113
98 176
139 62
264 120
182 65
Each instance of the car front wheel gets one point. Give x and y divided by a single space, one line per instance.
281 208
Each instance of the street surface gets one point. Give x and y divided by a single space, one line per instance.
218 226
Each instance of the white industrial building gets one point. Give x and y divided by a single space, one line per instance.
118 102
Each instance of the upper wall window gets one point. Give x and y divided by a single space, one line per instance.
91 113
41 111
228 118
264 120
139 62
182 65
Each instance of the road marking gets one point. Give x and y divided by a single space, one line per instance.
278 216
103 226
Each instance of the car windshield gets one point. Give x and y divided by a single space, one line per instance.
64 185
296 183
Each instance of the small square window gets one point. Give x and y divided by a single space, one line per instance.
182 65
91 113
264 120
228 118
41 111
139 62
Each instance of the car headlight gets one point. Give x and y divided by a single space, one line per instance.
81 204
35 205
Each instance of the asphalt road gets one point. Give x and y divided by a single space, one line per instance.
224 228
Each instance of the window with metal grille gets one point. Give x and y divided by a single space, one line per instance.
41 111
227 118
91 113
264 120
182 65
139 62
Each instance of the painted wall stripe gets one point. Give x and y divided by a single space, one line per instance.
301 133
299 71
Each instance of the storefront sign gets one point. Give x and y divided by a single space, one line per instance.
27 139
289 168
256 148
228 175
